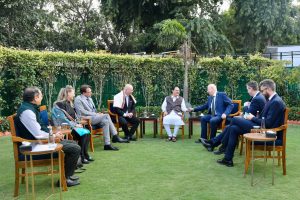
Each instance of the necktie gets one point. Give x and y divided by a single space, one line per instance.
213 109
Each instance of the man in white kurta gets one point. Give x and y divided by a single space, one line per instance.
173 106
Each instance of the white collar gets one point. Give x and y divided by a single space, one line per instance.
256 94
272 96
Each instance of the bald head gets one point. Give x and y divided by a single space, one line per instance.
211 89
128 89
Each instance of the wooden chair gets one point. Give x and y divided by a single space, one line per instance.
19 164
95 132
115 118
280 149
236 111
162 126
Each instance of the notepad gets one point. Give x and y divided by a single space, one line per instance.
43 147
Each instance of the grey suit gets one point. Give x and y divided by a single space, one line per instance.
85 107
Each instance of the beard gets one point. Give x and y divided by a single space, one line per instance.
267 96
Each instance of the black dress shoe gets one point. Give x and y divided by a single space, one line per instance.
85 161
198 141
90 159
71 182
74 178
225 162
116 139
109 147
132 138
220 151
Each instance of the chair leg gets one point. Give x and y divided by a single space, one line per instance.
208 131
283 162
161 131
182 132
242 145
17 182
247 156
23 177
63 181
92 143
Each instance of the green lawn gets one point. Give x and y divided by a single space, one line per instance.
152 168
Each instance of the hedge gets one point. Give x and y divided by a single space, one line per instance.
152 78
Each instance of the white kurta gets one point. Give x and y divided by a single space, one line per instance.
173 118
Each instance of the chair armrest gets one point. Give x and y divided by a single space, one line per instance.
19 139
114 115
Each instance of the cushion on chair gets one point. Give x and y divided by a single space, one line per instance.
97 126
44 117
235 108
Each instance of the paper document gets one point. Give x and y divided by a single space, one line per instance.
43 147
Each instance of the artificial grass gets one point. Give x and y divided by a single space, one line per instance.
152 168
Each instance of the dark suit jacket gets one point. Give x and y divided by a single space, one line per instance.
257 104
273 113
130 108
223 104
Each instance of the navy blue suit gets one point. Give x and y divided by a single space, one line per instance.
257 104
223 104
273 113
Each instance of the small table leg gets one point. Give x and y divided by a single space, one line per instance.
155 123
32 177
273 162
26 176
190 128
52 174
60 178
252 160
143 133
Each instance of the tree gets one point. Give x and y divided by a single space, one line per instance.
262 22
25 23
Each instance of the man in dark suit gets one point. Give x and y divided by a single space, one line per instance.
254 107
219 106
273 114
124 106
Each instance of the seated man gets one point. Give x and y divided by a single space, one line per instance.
256 105
29 126
219 106
173 106
85 108
124 106
273 114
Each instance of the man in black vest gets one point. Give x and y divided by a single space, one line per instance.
29 126
173 106
124 106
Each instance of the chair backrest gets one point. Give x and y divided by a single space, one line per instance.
237 107
44 115
285 125
110 106
11 120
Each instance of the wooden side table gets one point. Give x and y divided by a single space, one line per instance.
57 149
258 137
191 120
142 125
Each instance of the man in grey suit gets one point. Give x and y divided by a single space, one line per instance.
85 108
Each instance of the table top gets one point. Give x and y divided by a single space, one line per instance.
258 137
58 148
148 118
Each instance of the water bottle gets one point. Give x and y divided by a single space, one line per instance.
51 141
263 125
257 114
